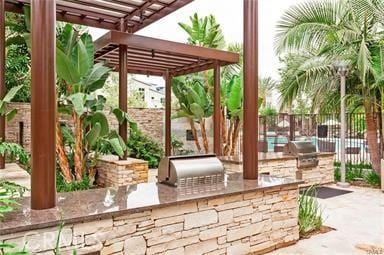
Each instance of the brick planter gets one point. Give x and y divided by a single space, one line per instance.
113 172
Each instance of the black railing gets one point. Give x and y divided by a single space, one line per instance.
323 130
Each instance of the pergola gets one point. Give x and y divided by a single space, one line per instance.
129 53
136 54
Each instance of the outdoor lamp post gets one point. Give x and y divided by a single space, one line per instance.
342 70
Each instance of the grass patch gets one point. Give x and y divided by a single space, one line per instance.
310 212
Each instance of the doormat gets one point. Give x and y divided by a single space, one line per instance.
326 192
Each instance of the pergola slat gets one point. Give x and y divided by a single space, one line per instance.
177 58
107 13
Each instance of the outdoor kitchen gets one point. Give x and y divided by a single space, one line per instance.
299 160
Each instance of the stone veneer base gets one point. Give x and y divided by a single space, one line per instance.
113 172
251 222
275 164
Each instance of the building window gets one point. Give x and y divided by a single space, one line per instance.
142 93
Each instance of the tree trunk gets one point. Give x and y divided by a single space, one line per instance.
204 135
61 155
194 133
223 127
235 136
227 148
78 157
373 146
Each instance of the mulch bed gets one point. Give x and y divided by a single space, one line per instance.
322 230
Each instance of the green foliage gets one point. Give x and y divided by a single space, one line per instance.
358 172
268 111
80 81
4 247
178 147
5 102
144 147
204 32
8 192
62 186
14 151
310 213
373 179
313 36
266 85
194 101
18 59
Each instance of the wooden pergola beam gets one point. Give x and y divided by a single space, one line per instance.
105 14
137 41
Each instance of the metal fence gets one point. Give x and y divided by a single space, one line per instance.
323 130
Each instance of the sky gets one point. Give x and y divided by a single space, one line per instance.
229 13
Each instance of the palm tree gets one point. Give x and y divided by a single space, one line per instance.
266 85
319 33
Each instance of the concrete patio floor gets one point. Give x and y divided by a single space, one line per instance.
358 218
14 173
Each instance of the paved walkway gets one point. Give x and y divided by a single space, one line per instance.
358 218
14 173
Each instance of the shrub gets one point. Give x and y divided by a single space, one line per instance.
144 147
178 147
310 213
373 179
360 171
14 151
62 186
8 192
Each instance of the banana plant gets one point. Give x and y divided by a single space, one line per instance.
79 79
4 103
232 98
195 105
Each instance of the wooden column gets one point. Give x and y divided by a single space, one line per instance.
43 104
123 88
250 129
168 110
292 125
2 73
216 111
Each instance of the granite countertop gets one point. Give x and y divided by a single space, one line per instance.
101 203
268 156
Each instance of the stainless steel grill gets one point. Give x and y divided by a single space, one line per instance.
305 152
189 171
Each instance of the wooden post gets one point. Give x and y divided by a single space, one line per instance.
2 74
43 104
250 129
123 88
168 122
217 111
292 125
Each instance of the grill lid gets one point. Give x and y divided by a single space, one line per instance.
191 170
297 148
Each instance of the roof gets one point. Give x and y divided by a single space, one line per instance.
108 14
152 56
152 87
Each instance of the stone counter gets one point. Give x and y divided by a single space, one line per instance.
237 217
280 165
